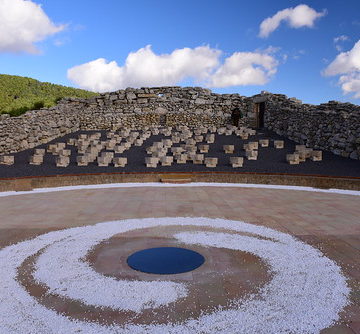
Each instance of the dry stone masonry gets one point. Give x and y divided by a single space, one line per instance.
332 126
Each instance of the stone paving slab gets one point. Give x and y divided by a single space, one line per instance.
327 221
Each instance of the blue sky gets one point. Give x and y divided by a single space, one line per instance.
309 50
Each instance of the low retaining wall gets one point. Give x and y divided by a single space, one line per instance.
319 181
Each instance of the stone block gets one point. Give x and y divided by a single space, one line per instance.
36 159
109 155
278 144
120 161
253 145
103 161
166 160
293 159
210 138
236 162
264 142
198 159
308 152
82 160
302 155
221 131
138 142
7 160
151 162
71 141
65 153
211 162
39 151
316 156
199 139
251 155
244 136
119 149
228 132
177 150
203 148
181 158
229 149
167 142
197 132
62 161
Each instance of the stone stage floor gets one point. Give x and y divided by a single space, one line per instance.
327 221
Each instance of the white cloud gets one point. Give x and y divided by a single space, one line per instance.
145 68
300 16
244 68
347 64
338 40
22 24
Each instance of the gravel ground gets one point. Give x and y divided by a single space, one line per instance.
270 160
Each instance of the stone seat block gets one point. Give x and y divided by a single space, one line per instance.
119 148
316 156
302 155
244 136
62 161
82 136
221 130
181 158
198 159
138 142
61 145
109 155
167 142
64 153
120 161
51 148
199 139
190 141
151 162
166 160
238 132
308 152
278 144
212 129
203 148
211 162
253 145
36 159
228 132
236 161
39 151
127 145
251 132
103 161
210 138
7 160
251 154
71 141
229 149
264 142
176 150
82 160
197 132
293 159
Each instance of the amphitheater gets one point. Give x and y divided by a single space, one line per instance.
264 188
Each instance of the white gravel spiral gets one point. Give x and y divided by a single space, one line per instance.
305 295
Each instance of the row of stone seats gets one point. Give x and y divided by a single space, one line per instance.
302 153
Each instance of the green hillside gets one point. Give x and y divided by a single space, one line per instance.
19 94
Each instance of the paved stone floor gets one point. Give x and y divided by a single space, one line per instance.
327 221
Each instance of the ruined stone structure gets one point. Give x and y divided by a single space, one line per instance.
332 126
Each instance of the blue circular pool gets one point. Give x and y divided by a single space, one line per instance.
165 260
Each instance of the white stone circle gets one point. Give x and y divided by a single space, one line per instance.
306 293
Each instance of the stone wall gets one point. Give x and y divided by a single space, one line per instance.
134 108
332 126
